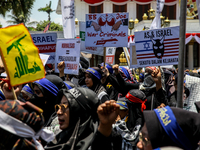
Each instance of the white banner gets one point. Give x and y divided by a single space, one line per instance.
68 18
107 30
157 47
68 50
90 50
46 43
110 55
156 23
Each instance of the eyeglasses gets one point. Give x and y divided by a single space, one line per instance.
145 141
63 107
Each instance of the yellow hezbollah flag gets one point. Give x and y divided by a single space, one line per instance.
20 56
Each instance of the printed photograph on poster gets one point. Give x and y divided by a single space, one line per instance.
106 30
68 50
110 55
90 50
158 47
46 43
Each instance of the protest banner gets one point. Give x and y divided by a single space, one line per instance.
46 43
107 30
90 50
68 18
192 83
20 56
110 55
156 47
68 50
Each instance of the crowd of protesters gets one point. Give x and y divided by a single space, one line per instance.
103 108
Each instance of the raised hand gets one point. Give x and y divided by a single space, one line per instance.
116 68
107 113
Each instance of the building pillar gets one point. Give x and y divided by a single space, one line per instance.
107 7
190 56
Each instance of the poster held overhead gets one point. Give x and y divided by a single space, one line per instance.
157 47
90 50
68 50
106 30
46 43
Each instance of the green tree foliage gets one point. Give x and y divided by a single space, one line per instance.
53 27
20 19
0 25
17 7
48 10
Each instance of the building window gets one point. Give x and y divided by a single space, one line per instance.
169 11
141 9
96 9
119 8
196 54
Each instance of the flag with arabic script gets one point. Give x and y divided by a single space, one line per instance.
20 56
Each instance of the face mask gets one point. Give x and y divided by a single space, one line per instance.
38 101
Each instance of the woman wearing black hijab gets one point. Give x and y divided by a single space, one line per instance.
77 118
93 78
46 91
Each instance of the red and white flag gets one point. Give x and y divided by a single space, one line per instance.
47 27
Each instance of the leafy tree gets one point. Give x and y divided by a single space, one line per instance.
0 25
17 7
47 9
53 27
20 19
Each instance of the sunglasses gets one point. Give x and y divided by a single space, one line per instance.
63 107
145 141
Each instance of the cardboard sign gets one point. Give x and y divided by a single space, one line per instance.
68 50
46 43
156 47
90 50
110 54
20 55
107 30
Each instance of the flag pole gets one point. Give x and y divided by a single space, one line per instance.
104 57
181 58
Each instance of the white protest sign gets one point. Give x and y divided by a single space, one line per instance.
46 43
110 54
68 18
91 50
44 58
68 50
158 47
106 30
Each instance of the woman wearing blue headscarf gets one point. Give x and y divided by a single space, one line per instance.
46 91
93 78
